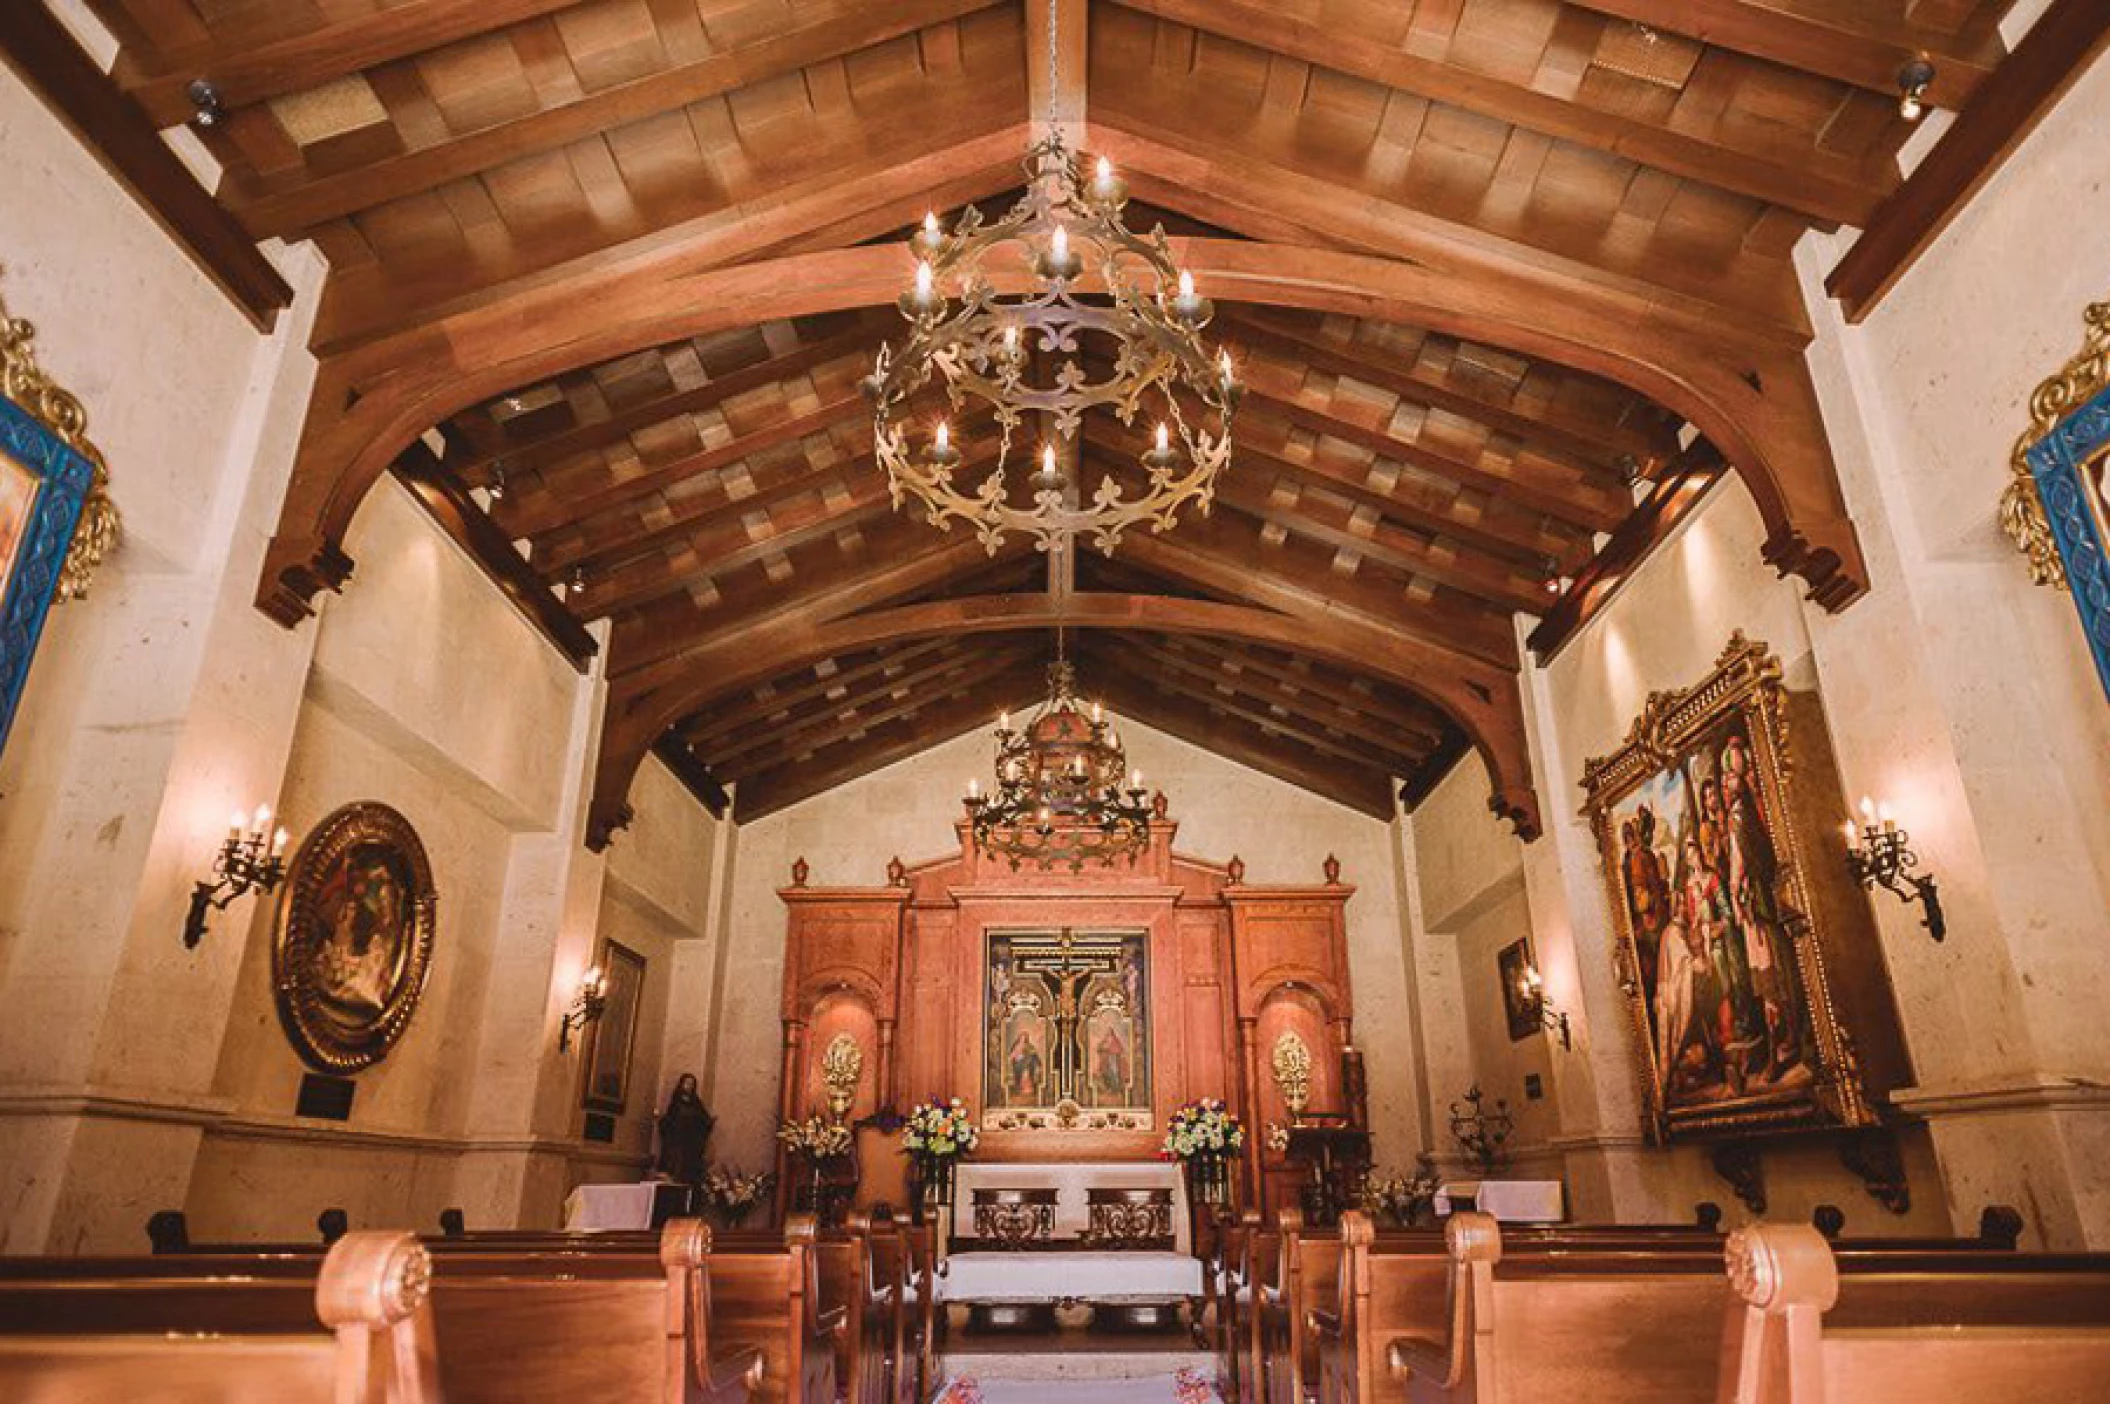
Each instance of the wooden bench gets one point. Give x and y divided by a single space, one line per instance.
1811 1326
904 1255
354 1328
1566 1316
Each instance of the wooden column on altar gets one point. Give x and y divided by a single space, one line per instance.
1136 988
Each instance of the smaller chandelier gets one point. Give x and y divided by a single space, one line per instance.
1140 328
1059 795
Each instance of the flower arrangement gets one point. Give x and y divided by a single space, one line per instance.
1203 1129
735 1193
816 1138
1405 1200
939 1130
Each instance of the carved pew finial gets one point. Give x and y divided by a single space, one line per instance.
1473 1237
373 1278
1777 1266
684 1243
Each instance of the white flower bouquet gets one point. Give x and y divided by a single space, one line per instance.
1203 1130
816 1138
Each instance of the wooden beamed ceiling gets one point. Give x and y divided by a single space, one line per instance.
1485 266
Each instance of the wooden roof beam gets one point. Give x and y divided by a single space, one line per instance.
711 722
1592 442
286 210
1365 790
1815 183
551 451
945 718
1239 696
1846 43
1348 705
836 726
45 55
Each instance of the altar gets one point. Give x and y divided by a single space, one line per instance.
1008 1291
1073 1182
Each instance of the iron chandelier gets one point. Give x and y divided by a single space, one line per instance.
1059 796
1143 320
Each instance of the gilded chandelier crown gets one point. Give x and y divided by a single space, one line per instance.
1132 344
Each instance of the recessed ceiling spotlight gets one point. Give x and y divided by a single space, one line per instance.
575 583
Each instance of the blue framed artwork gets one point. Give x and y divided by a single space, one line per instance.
2058 506
50 480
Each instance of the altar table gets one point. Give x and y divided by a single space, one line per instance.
1511 1201
1011 1290
1072 1181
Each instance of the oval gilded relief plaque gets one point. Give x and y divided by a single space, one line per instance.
354 939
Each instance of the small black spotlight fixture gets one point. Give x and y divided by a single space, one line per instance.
1913 81
1879 854
205 103
588 1005
251 859
575 583
496 488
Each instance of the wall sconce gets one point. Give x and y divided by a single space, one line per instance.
1550 1019
1878 854
591 1003
251 861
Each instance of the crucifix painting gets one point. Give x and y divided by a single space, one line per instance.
1066 1033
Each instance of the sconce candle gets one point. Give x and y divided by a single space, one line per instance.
249 860
1879 854
591 1003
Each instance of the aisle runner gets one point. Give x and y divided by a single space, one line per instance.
1186 1387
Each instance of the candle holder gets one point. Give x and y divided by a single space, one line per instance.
591 1004
251 859
1879 854
1552 1020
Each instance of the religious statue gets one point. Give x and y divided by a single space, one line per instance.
684 1130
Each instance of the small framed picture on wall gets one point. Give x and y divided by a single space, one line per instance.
610 1038
1520 1002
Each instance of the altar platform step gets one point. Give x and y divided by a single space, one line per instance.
1076 1355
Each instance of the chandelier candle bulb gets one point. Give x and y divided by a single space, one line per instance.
929 238
1192 310
1061 261
923 298
1106 189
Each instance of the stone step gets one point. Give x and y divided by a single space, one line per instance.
1109 1363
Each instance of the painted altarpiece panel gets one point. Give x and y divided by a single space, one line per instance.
1066 1030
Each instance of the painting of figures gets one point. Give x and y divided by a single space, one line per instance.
1716 933
1066 1034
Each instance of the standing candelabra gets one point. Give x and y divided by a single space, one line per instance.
251 859
1483 1133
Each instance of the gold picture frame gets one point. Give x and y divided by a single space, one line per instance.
354 940
1718 914
612 1038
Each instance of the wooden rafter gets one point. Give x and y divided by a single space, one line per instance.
46 57
1325 699
284 210
714 722
1814 182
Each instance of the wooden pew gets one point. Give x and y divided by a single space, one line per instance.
1810 1326
355 1328
525 1327
766 1296
1564 1317
848 1281
904 1255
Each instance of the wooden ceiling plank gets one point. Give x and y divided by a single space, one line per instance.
1367 792
1843 42
766 794
1240 697
285 211
1234 575
545 514
712 723
716 560
1767 318
1819 184
2059 47
336 49
46 56
1426 727
551 450
1595 443
1600 511
830 727
895 566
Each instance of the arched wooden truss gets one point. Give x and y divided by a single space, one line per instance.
1483 262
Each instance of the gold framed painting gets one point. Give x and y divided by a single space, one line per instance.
611 1039
1721 916
354 940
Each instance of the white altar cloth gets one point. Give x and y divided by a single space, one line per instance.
1511 1201
1029 1276
604 1208
1070 1180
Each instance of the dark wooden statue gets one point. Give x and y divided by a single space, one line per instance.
684 1131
